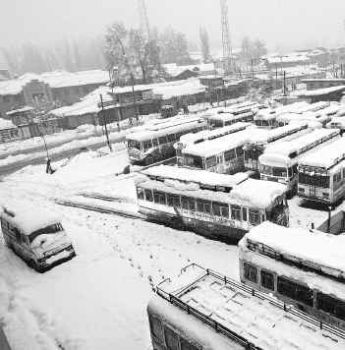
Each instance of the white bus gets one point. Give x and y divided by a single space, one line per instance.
204 135
202 309
204 179
37 237
279 162
305 268
310 117
322 174
157 142
213 214
223 155
256 145
223 119
266 118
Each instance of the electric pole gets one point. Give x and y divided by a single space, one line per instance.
227 50
105 123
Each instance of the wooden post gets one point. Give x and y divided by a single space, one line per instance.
105 123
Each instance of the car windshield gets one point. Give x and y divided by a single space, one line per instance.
45 231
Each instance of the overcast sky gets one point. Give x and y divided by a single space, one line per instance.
282 24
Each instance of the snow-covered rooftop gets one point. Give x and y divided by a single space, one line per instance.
255 317
317 92
28 218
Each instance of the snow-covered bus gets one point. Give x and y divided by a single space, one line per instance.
309 116
156 142
256 145
37 237
223 119
194 138
322 174
223 155
305 268
214 214
203 309
279 162
266 119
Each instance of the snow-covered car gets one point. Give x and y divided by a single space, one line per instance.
36 236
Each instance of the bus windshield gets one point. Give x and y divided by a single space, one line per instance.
45 231
134 144
274 171
193 161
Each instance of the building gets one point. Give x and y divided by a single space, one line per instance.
313 84
175 72
325 94
8 131
47 90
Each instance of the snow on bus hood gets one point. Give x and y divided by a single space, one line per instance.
46 242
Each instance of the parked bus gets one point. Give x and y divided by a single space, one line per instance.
223 155
304 268
256 146
266 118
279 162
204 179
216 215
223 119
39 238
322 174
310 117
203 309
205 135
157 143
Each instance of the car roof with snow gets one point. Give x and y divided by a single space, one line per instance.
28 218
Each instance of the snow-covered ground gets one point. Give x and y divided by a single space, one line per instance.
97 300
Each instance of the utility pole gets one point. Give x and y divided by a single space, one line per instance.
284 84
227 50
105 123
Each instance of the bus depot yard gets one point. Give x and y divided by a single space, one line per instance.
98 299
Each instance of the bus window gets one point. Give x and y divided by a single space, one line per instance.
155 142
279 172
191 203
171 339
148 195
267 280
295 291
171 138
162 140
239 151
236 212
147 145
204 207
173 200
140 193
156 328
211 161
225 212
244 214
229 155
184 202
187 346
331 305
193 161
250 273
133 144
216 207
254 217
159 197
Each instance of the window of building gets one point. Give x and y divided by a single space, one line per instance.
267 280
295 291
140 193
148 195
250 273
171 339
156 328
236 212
159 197
254 216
